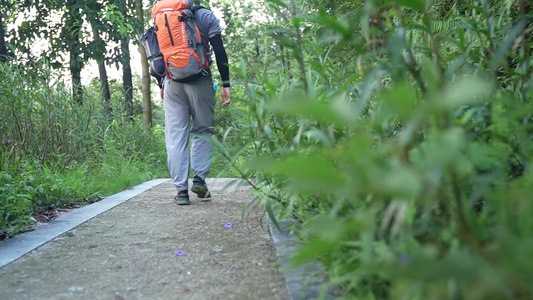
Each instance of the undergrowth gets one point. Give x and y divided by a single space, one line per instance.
58 153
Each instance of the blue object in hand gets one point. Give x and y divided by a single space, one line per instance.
215 87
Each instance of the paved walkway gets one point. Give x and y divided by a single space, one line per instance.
149 248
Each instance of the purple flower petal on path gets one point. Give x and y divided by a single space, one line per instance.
180 253
222 207
228 225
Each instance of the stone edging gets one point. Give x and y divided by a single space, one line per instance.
22 244
303 282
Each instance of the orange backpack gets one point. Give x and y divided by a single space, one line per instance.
179 40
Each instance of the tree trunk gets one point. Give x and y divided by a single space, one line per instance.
299 54
73 28
3 48
104 82
127 80
147 101
75 74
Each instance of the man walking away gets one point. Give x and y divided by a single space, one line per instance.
191 99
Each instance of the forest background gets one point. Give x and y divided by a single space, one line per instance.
396 133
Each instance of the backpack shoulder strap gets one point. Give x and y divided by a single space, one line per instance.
197 7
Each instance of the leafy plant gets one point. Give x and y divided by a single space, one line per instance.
401 144
56 154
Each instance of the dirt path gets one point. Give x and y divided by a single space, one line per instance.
128 252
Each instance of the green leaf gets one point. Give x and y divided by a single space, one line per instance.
431 76
286 41
436 154
312 172
485 157
396 181
400 102
465 91
332 23
337 112
320 136
279 3
311 251
507 44
327 228
419 5
271 214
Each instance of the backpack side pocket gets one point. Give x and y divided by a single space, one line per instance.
153 53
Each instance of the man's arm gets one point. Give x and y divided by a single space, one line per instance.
223 68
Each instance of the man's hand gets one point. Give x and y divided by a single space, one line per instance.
225 96
161 92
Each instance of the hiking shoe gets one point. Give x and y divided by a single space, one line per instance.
199 188
182 198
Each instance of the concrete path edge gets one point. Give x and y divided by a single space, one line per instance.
22 244
305 281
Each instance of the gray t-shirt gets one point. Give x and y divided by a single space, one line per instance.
208 25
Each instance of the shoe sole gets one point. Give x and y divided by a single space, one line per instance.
201 192
182 203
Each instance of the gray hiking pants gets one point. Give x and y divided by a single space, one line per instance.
185 102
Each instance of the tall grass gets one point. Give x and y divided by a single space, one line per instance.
56 152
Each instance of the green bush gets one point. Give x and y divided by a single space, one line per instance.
402 145
58 153
16 204
31 187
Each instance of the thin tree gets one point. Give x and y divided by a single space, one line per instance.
99 54
146 80
73 19
125 60
3 48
